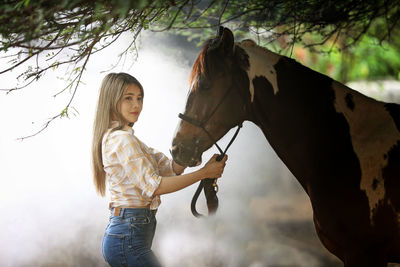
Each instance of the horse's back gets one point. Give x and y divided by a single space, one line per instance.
360 184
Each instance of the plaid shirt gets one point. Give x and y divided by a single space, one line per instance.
133 170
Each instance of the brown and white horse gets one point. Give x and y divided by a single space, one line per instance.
343 147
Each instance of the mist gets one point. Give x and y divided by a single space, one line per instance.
51 215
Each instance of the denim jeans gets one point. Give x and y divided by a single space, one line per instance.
128 238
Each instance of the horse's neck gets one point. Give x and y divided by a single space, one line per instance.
315 123
262 63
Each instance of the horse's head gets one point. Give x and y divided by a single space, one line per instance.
217 101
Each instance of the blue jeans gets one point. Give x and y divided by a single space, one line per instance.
128 238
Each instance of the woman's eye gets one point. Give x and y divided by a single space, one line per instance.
128 98
140 99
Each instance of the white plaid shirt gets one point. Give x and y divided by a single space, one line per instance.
133 170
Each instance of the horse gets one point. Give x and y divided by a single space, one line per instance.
342 146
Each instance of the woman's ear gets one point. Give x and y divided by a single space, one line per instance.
114 116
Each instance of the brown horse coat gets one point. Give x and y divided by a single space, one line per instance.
343 147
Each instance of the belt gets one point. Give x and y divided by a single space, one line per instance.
117 210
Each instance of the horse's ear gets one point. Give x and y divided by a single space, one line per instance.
228 41
224 42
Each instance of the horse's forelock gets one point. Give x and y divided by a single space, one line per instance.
199 66
205 65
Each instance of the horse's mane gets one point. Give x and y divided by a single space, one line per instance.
205 66
199 65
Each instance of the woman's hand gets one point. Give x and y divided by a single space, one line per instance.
214 168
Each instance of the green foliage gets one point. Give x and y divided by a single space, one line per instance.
370 59
347 40
85 27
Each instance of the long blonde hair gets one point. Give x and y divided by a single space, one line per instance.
111 90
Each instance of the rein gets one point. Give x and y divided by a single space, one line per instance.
210 185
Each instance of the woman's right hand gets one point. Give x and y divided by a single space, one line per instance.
214 168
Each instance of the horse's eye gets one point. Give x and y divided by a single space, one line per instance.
203 84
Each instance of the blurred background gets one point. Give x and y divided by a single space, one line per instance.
51 215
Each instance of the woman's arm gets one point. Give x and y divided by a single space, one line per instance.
213 169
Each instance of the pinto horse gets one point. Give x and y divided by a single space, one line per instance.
343 147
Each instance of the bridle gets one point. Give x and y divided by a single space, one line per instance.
202 125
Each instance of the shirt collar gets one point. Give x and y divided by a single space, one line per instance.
115 124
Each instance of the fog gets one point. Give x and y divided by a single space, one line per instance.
51 215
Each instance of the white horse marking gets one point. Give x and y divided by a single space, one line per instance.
373 133
262 63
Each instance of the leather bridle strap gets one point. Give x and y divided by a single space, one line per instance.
204 122
206 182
201 126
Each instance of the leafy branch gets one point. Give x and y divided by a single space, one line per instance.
68 32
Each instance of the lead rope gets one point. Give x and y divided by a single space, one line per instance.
202 182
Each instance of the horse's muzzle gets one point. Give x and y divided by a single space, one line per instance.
186 155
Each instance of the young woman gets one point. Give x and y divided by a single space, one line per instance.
136 174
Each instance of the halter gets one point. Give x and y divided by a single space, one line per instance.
202 125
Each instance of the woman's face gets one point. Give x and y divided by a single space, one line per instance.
131 103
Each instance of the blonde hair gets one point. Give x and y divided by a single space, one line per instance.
111 90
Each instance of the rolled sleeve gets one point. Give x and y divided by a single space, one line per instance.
164 163
142 175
